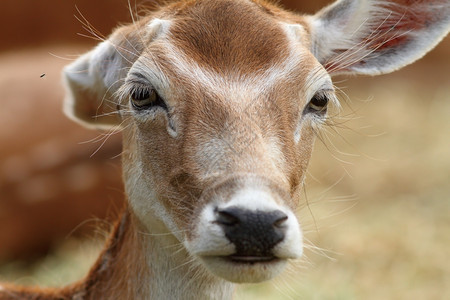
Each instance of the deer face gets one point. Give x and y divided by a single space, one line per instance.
220 134
218 102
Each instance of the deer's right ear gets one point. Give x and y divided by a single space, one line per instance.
90 83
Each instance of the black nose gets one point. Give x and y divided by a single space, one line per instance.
254 233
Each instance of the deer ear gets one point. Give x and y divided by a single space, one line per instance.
90 83
92 80
375 37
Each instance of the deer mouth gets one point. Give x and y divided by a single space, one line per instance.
245 269
252 259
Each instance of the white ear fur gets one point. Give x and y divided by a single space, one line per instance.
90 82
375 37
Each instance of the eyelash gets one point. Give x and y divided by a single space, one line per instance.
318 104
143 97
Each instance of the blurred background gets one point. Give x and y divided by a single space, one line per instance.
376 210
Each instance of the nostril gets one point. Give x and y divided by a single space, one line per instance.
234 215
226 217
280 219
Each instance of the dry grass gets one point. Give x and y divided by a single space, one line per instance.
378 198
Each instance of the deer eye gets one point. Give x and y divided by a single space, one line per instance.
318 103
144 97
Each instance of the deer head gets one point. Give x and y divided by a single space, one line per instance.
219 102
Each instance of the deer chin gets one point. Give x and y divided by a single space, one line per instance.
244 269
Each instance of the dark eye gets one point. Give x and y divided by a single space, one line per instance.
318 103
144 97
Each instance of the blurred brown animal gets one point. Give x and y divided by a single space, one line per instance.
48 184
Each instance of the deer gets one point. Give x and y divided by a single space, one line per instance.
219 103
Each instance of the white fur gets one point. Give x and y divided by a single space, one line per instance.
253 198
178 275
295 32
144 202
81 76
348 25
209 237
158 27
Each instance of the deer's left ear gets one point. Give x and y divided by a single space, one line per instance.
375 37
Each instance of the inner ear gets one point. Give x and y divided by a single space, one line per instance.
374 37
92 81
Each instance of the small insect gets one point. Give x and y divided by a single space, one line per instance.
42 75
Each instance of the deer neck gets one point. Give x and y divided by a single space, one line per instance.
139 265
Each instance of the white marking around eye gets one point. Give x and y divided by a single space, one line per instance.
317 78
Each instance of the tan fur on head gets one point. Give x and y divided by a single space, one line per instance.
219 102
237 79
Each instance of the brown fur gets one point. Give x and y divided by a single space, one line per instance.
213 39
246 52
231 132
107 279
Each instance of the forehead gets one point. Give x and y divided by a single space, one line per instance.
228 35
224 46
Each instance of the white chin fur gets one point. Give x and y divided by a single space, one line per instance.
243 272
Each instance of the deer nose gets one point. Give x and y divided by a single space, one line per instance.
254 233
